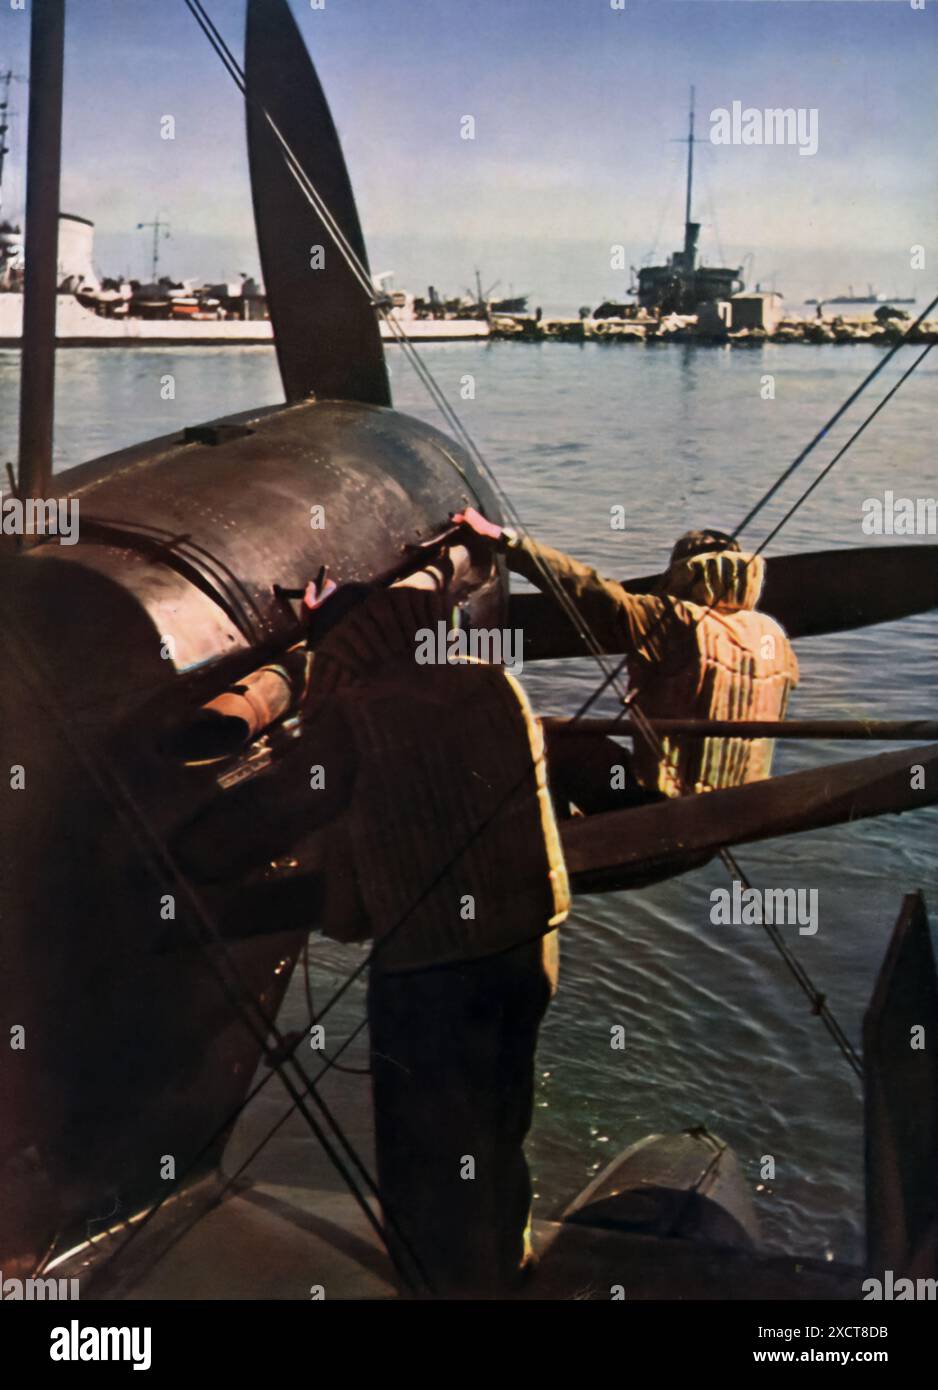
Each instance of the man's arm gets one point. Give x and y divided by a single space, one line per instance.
603 605
648 621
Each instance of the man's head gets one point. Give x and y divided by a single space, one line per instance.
700 543
710 568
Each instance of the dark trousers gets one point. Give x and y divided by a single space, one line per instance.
452 1056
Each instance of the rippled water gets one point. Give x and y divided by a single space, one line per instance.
717 1032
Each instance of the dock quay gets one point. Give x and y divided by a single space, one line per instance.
709 329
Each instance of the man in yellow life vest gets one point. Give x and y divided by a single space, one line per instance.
699 649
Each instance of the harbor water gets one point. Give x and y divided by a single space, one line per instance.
716 1031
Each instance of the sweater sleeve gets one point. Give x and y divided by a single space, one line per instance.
642 625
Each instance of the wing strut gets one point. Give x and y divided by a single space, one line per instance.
44 157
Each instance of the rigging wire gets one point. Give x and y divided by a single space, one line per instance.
840 453
825 430
816 998
450 414
819 1005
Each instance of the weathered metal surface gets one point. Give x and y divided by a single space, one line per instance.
817 592
901 1090
201 533
325 329
620 849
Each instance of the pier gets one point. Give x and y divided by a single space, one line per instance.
712 326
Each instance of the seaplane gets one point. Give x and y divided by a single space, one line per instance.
141 1017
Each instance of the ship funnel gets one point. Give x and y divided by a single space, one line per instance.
75 269
691 237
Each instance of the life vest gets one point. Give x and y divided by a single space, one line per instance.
740 665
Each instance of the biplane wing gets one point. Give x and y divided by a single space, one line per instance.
809 594
627 849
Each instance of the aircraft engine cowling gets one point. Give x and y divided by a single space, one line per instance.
132 1051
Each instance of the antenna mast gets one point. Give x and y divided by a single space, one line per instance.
5 79
691 229
690 157
158 226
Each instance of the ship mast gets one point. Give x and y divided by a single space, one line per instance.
690 162
691 229
43 162
5 79
157 225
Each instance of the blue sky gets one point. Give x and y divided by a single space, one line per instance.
575 107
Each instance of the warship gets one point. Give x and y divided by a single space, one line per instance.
682 284
146 1011
160 313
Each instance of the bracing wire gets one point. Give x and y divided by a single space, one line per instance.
840 453
826 429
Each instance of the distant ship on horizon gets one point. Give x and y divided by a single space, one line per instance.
871 297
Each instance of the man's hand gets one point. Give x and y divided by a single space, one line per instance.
487 530
315 596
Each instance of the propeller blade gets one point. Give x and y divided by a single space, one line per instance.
833 590
325 330
901 1092
621 849
809 594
